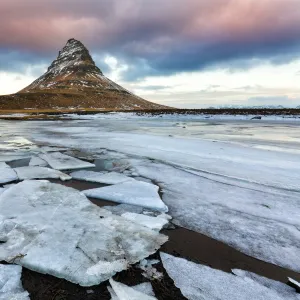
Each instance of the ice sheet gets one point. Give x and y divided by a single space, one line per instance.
34 172
56 230
132 192
101 177
235 181
259 221
198 282
7 174
10 283
61 161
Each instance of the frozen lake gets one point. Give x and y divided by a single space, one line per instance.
234 181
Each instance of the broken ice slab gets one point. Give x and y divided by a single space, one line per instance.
101 177
131 192
56 230
37 161
155 223
61 161
295 284
7 174
31 172
201 282
10 283
120 291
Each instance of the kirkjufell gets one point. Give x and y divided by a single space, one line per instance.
73 81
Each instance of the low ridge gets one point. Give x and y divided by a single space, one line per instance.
73 81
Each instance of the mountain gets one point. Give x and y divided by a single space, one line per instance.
73 81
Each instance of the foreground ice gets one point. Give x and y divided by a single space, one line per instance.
101 177
198 282
121 291
10 283
257 220
56 230
155 223
35 172
132 192
7 174
237 182
61 161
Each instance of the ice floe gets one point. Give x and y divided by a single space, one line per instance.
61 161
101 177
155 223
33 172
37 161
10 283
56 230
120 291
131 192
7 174
198 282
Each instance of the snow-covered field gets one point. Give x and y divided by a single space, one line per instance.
237 181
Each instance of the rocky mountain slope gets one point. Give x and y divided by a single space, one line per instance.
73 81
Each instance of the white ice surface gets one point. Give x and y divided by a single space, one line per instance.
198 282
131 192
56 230
257 220
155 223
61 161
10 283
35 172
235 181
7 174
101 177
124 292
37 161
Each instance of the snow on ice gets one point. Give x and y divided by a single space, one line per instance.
10 283
101 177
132 192
198 282
33 172
7 174
61 161
56 230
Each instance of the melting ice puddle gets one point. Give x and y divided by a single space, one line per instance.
19 163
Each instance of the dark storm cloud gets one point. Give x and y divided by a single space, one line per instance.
151 36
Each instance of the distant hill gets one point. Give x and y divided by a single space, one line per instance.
73 81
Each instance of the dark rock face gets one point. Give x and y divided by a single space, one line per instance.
73 67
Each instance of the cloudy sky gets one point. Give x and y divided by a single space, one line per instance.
183 53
